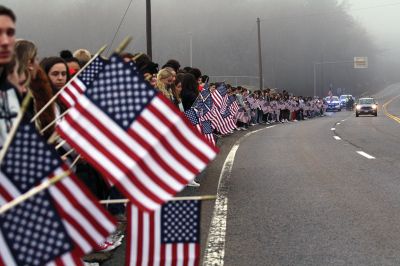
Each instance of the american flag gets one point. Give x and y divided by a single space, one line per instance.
135 137
210 111
204 127
219 96
78 84
167 236
57 226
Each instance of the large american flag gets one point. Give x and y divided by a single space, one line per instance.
135 137
78 84
167 236
58 225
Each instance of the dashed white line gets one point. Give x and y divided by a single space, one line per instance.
215 250
333 129
343 120
336 137
366 155
338 124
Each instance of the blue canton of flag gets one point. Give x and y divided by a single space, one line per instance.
91 71
120 93
180 222
207 127
222 89
33 233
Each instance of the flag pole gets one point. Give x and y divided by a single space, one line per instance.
32 192
53 122
101 50
121 201
17 122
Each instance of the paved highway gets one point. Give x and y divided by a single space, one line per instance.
324 191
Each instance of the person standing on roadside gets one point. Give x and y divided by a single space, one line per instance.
9 97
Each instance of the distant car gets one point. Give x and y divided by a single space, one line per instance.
366 106
333 103
344 99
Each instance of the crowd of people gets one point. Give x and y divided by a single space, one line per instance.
23 72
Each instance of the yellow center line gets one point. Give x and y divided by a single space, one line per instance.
384 108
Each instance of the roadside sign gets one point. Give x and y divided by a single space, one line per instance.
360 62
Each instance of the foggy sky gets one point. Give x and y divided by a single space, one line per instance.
56 25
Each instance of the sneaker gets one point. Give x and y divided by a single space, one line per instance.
268 123
90 263
238 129
193 184
252 124
244 129
104 247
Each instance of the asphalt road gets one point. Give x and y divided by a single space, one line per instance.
298 196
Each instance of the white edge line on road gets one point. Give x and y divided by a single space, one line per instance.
366 155
336 137
215 249
333 129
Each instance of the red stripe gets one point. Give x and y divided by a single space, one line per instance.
100 167
185 254
179 135
151 237
162 254
4 193
114 158
129 245
89 195
94 221
174 254
2 262
150 172
167 146
75 225
140 238
197 260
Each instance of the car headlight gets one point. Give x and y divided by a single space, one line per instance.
374 106
358 107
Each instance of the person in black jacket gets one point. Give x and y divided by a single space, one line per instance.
189 91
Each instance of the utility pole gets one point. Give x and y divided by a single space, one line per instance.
148 28
259 54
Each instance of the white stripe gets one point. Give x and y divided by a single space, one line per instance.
333 129
192 254
180 254
80 84
336 137
338 124
109 165
8 186
157 237
159 148
124 158
146 240
5 252
65 95
215 249
171 138
343 120
76 236
87 204
134 234
75 214
366 155
67 259
168 158
182 127
2 200
168 254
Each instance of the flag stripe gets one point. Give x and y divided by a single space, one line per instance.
151 238
5 253
107 167
6 186
140 233
157 255
146 239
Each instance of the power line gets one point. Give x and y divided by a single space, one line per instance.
119 26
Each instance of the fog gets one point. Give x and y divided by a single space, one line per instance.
295 34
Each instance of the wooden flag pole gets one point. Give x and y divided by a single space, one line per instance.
53 122
32 192
122 201
123 45
17 122
101 50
